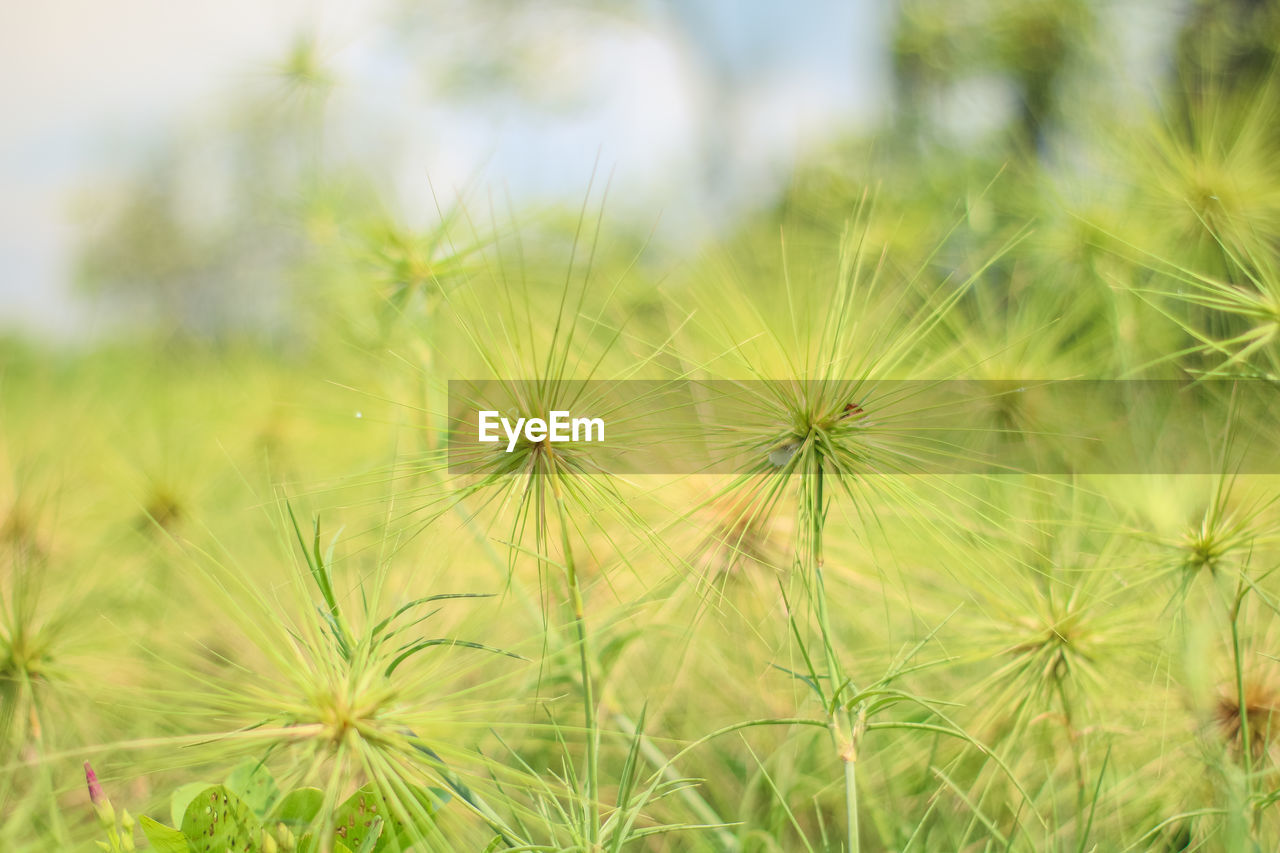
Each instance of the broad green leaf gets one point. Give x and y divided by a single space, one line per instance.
182 798
298 808
372 840
367 823
429 802
253 784
163 839
360 818
218 821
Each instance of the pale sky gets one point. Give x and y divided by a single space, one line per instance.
88 88
84 85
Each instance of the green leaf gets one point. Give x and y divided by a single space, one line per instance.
217 821
315 560
414 648
368 825
163 839
181 798
298 808
373 839
360 818
253 784
429 802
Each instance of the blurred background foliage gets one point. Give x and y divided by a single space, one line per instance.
1003 113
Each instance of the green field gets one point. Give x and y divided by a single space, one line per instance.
240 582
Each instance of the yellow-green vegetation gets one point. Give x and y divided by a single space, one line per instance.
242 590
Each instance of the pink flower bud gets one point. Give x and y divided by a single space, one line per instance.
106 814
96 794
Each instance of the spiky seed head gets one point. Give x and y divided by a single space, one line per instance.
1259 712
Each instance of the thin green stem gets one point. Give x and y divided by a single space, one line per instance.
851 801
584 661
844 733
817 522
1073 741
1246 743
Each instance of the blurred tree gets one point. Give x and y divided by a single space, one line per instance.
1231 45
1031 43
201 241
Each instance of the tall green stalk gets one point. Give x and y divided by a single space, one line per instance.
584 662
843 729
1242 702
851 800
